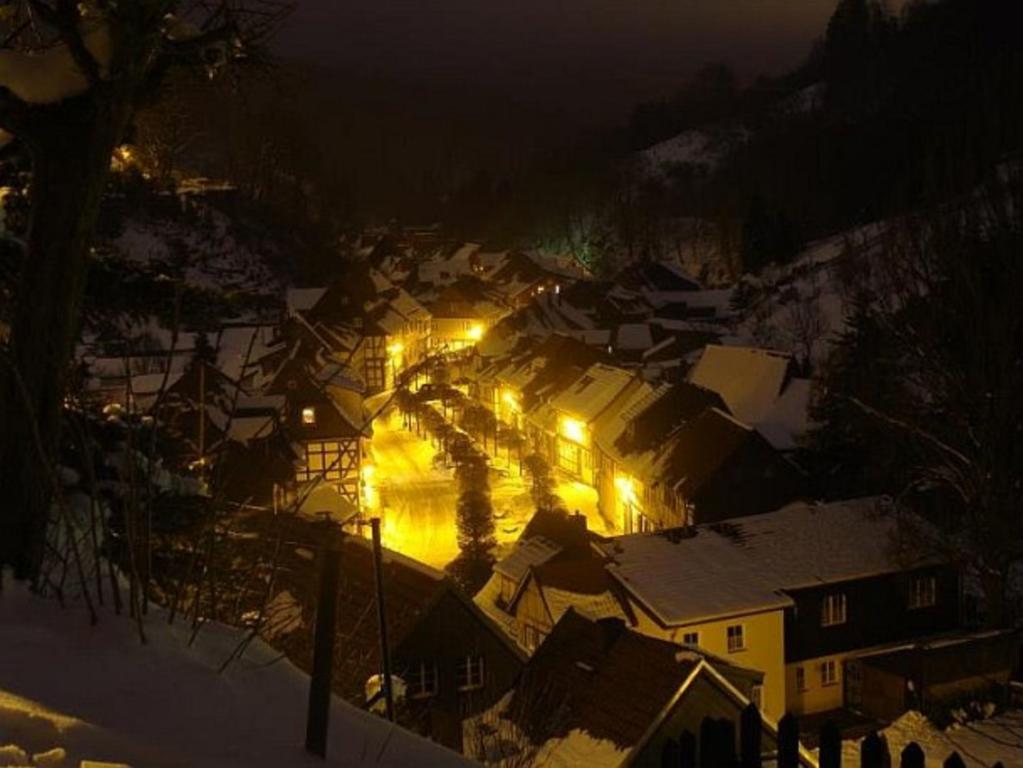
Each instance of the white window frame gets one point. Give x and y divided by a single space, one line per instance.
829 673
923 592
833 610
423 683
739 634
690 638
475 672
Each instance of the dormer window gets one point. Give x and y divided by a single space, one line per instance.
833 610
309 416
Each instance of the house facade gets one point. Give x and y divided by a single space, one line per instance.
797 594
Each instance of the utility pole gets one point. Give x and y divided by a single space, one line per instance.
320 683
385 650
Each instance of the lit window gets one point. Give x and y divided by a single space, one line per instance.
800 679
829 673
736 638
833 610
574 430
923 592
691 638
470 673
422 681
309 416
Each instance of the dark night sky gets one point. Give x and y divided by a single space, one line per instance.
595 57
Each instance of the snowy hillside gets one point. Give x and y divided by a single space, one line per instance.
700 149
70 692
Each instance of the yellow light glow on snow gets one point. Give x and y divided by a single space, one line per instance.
626 489
573 429
370 497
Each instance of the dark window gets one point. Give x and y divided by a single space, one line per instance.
923 592
470 673
422 680
833 610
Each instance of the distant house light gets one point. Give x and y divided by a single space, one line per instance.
309 416
476 332
573 429
557 289
510 400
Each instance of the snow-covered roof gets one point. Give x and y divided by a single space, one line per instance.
633 336
746 564
303 299
690 579
526 554
748 379
594 391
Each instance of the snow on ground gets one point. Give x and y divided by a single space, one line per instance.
417 501
801 306
980 744
97 693
702 149
209 256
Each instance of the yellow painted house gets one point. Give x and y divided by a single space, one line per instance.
798 594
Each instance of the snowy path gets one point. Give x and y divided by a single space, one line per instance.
418 502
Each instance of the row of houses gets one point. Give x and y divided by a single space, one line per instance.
820 610
659 454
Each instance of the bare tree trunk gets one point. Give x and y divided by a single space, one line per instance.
71 149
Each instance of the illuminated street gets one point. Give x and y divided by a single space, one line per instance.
418 502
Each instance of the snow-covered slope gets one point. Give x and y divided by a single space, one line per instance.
97 693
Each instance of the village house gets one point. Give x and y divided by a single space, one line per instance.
577 409
796 594
462 314
367 323
325 417
598 694
553 566
760 388
452 661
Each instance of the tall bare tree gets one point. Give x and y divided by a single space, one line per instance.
71 77
942 313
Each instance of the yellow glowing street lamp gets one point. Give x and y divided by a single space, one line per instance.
476 332
396 349
626 489
510 400
573 429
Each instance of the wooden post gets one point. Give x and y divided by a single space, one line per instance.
830 746
750 733
912 756
320 682
788 742
385 649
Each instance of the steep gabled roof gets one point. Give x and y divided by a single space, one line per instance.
601 678
656 418
749 380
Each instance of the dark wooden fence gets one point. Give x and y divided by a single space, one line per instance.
715 747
